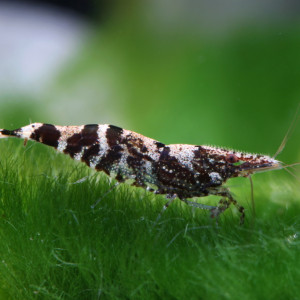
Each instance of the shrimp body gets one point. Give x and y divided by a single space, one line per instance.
176 170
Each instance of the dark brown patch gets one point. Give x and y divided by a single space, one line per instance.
134 162
159 144
89 153
144 149
198 152
134 152
87 137
119 177
46 134
117 148
107 162
135 142
165 154
72 147
113 135
9 132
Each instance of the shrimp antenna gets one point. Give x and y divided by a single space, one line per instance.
291 173
252 196
290 130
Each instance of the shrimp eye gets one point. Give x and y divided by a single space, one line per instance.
231 158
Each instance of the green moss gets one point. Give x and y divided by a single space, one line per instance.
53 245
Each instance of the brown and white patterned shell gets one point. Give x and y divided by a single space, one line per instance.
177 169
